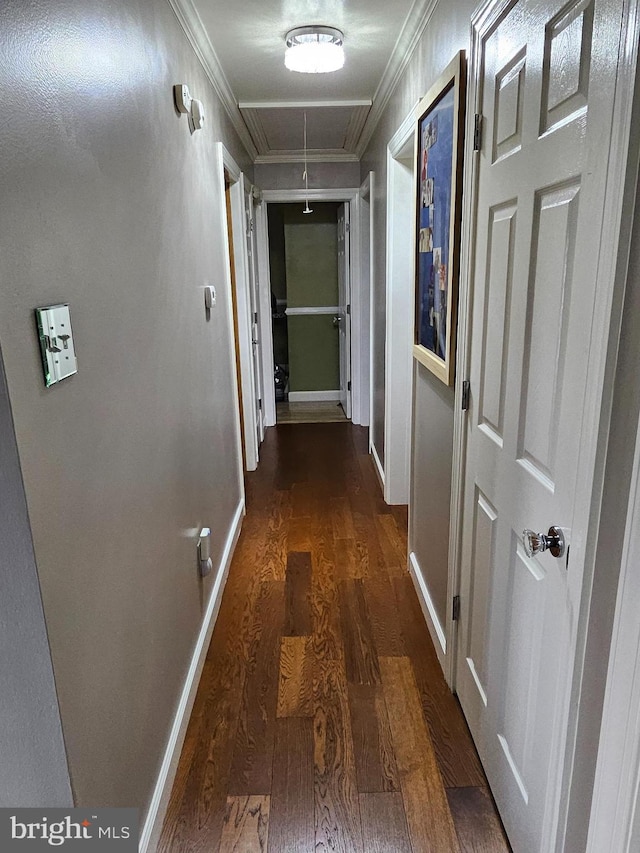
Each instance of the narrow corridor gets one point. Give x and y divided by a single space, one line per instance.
322 720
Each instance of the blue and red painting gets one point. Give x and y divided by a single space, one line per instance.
434 218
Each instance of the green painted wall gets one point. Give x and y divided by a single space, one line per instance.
311 262
314 361
311 256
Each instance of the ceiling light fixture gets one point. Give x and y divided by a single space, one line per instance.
314 50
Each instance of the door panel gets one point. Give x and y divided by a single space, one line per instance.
484 528
507 122
499 275
539 209
549 305
567 62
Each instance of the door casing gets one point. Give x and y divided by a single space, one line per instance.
394 467
359 305
226 164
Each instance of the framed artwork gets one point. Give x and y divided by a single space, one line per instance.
439 140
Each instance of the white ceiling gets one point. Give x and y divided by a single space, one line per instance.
242 43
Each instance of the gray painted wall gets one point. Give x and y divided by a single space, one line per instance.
33 765
446 33
288 176
111 204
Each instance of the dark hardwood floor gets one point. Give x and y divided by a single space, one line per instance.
322 721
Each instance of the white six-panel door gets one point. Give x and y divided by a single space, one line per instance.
545 90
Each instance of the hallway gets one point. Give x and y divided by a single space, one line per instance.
322 720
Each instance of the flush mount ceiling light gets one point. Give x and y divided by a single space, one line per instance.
314 50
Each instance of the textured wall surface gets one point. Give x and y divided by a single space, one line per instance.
447 32
109 203
288 176
33 770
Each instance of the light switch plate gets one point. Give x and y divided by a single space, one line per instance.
56 343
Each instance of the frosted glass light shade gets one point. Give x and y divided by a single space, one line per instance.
314 50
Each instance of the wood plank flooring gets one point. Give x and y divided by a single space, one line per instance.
322 722
309 413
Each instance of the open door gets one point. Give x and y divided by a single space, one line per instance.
543 286
254 306
343 318
235 201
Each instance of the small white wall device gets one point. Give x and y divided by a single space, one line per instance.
56 343
209 296
204 552
182 97
191 106
197 114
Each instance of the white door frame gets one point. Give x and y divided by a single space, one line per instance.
343 313
346 195
264 310
615 817
395 473
227 164
614 242
254 305
361 320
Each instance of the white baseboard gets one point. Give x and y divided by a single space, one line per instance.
313 396
378 465
155 817
436 630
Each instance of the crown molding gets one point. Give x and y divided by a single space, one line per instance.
322 155
256 129
354 128
300 105
195 31
340 194
346 153
251 134
414 26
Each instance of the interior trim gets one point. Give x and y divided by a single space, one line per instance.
314 396
319 309
155 816
408 39
428 607
195 31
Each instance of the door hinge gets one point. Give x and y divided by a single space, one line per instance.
255 317
348 309
466 394
477 132
456 608
260 404
349 385
347 227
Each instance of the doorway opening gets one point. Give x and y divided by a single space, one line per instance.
351 308
310 310
241 250
391 445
